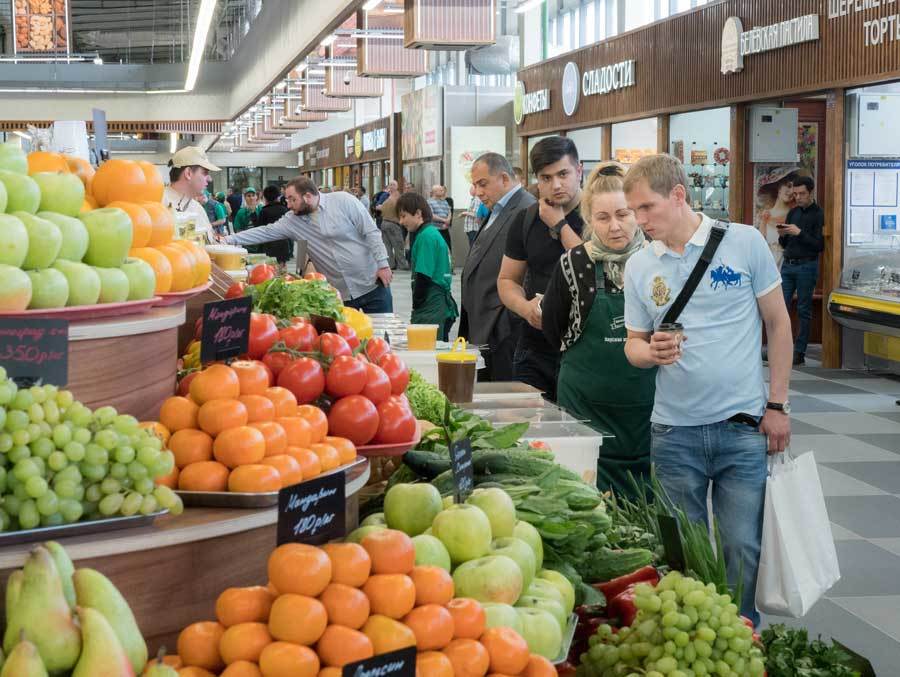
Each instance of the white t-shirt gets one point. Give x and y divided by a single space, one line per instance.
188 206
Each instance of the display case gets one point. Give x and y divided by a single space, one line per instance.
700 140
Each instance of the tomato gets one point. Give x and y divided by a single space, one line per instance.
305 378
396 370
184 384
276 361
378 385
333 345
402 400
538 444
396 423
235 291
355 418
314 276
299 336
346 376
261 273
263 334
349 334
376 348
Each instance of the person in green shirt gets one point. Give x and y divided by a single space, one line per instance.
431 268
247 215
215 212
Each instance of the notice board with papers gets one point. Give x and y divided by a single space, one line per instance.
873 203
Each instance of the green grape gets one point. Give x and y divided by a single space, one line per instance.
4 520
106 439
21 437
2 417
29 517
65 489
2 481
16 420
118 471
62 435
137 471
38 394
95 455
25 469
178 507
36 412
70 473
131 504
110 486
123 423
71 510
41 465
22 401
65 398
81 435
6 442
148 505
53 520
163 465
36 487
111 504
11 503
48 503
34 430
93 494
7 392
144 486
147 456
75 451
125 454
94 473
150 441
167 499
42 447
105 415
51 412
80 415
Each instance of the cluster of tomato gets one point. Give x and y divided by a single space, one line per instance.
261 273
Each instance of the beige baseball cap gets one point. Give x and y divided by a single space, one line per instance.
193 155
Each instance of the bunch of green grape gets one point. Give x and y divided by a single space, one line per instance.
60 462
683 628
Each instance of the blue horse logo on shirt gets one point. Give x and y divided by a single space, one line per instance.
725 276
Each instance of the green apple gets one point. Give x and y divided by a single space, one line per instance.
60 193
430 551
22 193
448 501
541 631
562 584
49 288
375 518
530 535
13 240
113 285
464 530
84 283
428 532
110 237
12 158
411 508
520 553
15 289
546 590
141 279
495 578
359 534
502 616
3 198
551 606
499 507
74 235
44 241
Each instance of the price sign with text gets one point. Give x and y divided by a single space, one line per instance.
312 512
33 350
323 324
463 471
400 663
226 329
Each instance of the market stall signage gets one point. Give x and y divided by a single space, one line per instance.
226 329
738 43
463 470
571 88
374 140
608 79
35 350
526 103
358 144
348 145
878 31
400 663
312 512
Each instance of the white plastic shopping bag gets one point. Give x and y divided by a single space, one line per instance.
798 562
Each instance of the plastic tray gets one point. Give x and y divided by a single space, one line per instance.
78 528
171 298
93 312
568 636
391 449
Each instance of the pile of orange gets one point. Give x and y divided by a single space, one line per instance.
235 432
326 607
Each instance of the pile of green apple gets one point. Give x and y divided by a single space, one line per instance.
494 557
53 255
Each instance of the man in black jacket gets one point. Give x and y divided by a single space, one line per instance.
270 213
802 240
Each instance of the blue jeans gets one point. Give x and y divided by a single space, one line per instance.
379 300
800 277
732 456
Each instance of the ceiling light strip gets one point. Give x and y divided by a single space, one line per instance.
201 32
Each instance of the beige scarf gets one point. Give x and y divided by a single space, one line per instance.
614 261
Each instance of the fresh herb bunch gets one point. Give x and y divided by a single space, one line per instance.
426 400
789 653
285 300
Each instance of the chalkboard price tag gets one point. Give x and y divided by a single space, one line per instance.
226 329
671 537
400 663
323 325
859 663
312 512
463 472
33 350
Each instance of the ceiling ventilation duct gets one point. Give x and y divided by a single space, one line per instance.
378 57
345 82
454 25
500 58
107 40
314 99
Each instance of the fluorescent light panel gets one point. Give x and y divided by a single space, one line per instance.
173 142
201 32
371 4
527 5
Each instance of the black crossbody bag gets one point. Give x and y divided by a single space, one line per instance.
716 233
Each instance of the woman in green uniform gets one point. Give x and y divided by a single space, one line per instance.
584 314
431 268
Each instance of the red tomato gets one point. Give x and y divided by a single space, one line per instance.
349 334
276 361
396 423
184 384
378 385
396 370
261 273
355 418
314 276
333 345
376 348
305 378
402 400
235 291
263 334
538 444
299 336
346 376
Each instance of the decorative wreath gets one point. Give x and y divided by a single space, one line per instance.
722 156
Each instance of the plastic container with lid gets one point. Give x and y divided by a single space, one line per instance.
456 372
227 256
421 336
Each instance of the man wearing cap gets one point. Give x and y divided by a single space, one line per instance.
247 215
189 172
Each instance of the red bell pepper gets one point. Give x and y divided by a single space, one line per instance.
613 588
622 606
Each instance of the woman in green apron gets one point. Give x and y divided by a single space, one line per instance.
584 314
431 268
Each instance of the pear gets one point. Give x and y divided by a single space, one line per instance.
13 588
24 661
41 610
94 590
160 670
65 567
103 655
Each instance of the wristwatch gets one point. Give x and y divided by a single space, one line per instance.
556 231
783 407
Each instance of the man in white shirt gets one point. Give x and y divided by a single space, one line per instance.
189 176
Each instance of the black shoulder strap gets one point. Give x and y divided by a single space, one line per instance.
530 215
712 244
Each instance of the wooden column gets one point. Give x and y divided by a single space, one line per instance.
396 155
523 156
662 133
606 142
834 223
738 146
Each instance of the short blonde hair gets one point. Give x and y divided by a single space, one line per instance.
661 172
606 177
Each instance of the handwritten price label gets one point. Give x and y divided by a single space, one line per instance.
34 350
401 663
226 329
463 471
313 511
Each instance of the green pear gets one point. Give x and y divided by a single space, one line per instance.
24 661
94 590
65 567
103 655
160 670
13 588
41 610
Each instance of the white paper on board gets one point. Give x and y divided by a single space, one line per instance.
886 189
862 189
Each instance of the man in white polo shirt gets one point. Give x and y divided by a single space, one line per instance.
189 176
712 420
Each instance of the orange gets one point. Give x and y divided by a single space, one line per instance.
153 188
117 180
170 480
242 669
387 634
308 460
163 223
88 204
433 664
198 645
392 551
239 446
434 585
216 382
190 446
274 435
259 408
538 666
45 161
288 468
432 625
160 265
300 569
254 478
244 605
297 619
340 645
330 672
350 563
316 419
282 659
345 605
172 660
217 416
298 431
178 413
182 267
392 595
157 429
284 401
82 169
328 456
203 476
202 262
194 672
345 448
469 658
508 651
253 376
141 226
244 642
469 619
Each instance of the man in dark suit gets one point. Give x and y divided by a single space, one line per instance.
485 320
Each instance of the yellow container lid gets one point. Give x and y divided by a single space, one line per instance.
458 353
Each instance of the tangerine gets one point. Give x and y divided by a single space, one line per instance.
216 382
117 180
170 480
388 634
141 226
163 223
259 408
45 161
508 651
191 446
297 619
178 413
198 645
153 187
160 264
216 416
340 645
392 551
203 476
298 431
432 625
469 619
308 460
244 642
182 263
350 563
300 569
433 664
242 669
538 666
253 376
469 658
254 478
288 469
284 400
202 262
328 456
434 585
346 606
391 595
345 448
330 672
239 446
192 671
283 659
244 605
274 435
316 419
173 660
157 429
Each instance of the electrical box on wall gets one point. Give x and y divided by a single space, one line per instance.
773 134
873 119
